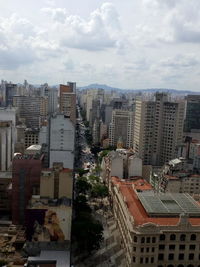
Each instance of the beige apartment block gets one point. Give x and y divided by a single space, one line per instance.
56 182
158 129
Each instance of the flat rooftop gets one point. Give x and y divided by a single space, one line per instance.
62 258
169 204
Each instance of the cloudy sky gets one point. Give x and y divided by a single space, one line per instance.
126 44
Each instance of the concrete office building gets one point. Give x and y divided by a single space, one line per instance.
192 119
6 144
121 128
61 140
52 100
29 108
158 129
68 100
158 230
7 91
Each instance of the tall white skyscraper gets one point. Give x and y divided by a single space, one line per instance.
61 141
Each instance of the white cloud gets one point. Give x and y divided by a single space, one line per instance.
57 14
100 31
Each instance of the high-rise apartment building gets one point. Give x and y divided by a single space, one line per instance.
29 108
7 137
61 140
158 129
68 100
192 119
52 100
6 145
121 128
7 91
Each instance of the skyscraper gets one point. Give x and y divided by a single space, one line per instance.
121 128
61 140
192 120
158 129
68 100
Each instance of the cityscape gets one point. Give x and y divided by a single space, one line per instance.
100 133
98 177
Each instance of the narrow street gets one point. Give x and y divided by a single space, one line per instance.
110 253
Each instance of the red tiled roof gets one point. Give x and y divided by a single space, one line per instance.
137 210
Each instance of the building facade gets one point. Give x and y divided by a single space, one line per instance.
151 234
121 128
158 129
61 140
68 100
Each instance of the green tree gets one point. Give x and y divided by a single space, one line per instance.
88 233
103 154
99 191
94 179
81 206
82 185
81 172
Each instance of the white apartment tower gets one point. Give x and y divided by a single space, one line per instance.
61 141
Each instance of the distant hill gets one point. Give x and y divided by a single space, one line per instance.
150 90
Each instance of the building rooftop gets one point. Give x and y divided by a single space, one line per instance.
62 258
142 214
169 204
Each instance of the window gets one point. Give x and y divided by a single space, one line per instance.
133 259
181 256
162 237
141 260
153 240
172 237
135 238
191 256
160 256
142 249
192 247
182 247
193 237
152 249
134 248
161 247
182 237
171 247
152 259
170 256
147 249
147 260
142 240
148 239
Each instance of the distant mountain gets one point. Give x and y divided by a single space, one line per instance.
150 90
102 86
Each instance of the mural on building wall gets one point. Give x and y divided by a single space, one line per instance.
50 230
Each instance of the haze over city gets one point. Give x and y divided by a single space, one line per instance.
125 44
